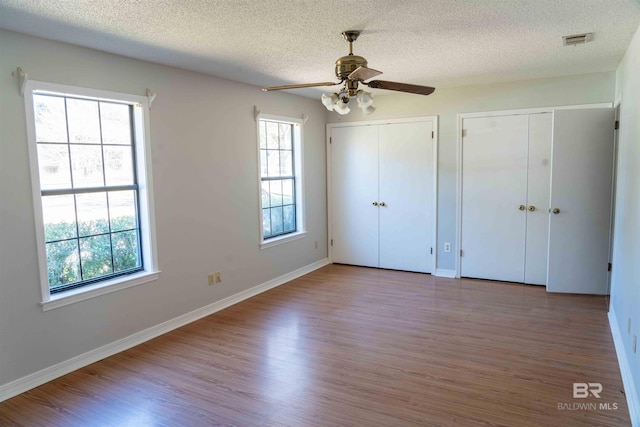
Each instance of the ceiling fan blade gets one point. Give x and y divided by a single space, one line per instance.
364 73
401 87
267 89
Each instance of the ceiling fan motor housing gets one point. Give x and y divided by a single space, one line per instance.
348 64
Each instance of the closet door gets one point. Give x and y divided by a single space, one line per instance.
406 196
354 178
581 191
538 189
494 188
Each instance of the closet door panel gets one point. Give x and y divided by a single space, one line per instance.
406 188
354 178
494 185
581 188
538 193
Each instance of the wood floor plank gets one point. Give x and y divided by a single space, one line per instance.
353 346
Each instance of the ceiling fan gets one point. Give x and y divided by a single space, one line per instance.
352 70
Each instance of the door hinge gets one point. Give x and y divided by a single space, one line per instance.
432 134
609 266
464 133
617 125
431 251
331 242
330 140
461 253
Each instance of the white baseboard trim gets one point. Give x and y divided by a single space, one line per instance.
627 380
441 272
23 384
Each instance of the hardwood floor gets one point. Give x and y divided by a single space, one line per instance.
352 346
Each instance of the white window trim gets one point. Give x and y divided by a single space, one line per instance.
298 154
145 191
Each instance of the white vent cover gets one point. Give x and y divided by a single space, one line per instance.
577 39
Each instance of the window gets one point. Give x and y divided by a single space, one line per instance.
280 179
91 188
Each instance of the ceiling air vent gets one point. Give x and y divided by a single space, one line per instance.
577 39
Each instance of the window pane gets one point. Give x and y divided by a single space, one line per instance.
122 209
277 162
276 220
266 222
84 122
118 165
116 128
92 213
266 200
273 160
263 134
86 164
286 165
276 193
59 216
125 250
63 264
50 118
289 214
263 163
53 163
287 192
272 135
95 253
285 136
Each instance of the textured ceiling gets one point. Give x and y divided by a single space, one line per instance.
437 42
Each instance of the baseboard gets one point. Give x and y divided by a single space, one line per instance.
38 378
441 272
625 369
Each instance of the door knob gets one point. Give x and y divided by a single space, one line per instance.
556 211
522 207
375 203
383 204
532 208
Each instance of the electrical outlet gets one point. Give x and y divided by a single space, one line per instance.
315 244
634 343
211 279
218 277
447 247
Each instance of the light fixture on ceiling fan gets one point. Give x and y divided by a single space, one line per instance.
352 70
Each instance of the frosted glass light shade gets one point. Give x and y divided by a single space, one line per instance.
342 108
329 101
368 110
364 99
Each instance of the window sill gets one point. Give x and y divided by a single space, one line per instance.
283 239
92 291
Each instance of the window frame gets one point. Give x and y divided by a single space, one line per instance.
297 132
142 168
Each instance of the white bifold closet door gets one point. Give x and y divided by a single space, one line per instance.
538 189
505 197
494 185
406 189
354 180
382 195
581 194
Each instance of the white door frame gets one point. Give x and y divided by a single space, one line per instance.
614 182
459 171
434 229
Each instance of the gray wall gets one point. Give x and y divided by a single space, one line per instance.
625 280
448 102
203 137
